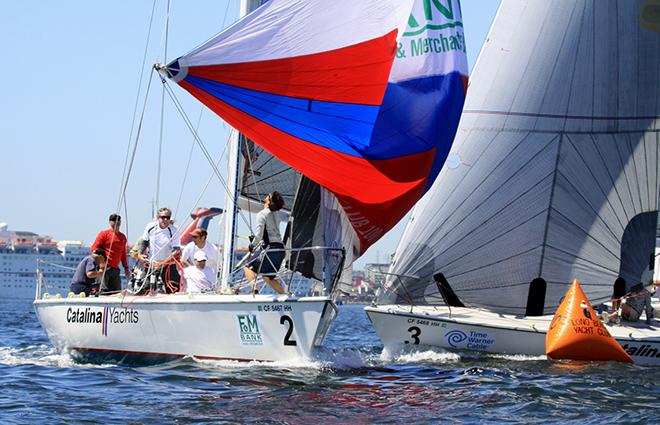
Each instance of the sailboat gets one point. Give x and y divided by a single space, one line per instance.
553 176
309 85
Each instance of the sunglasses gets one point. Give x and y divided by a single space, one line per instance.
164 217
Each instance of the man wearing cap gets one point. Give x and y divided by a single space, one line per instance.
199 243
113 242
88 271
161 240
200 276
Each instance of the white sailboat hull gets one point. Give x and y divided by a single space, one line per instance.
152 329
477 330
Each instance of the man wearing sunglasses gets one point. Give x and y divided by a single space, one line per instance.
113 242
162 240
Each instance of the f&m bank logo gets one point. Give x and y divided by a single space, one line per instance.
249 330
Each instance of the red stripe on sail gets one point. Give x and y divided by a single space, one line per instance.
352 74
374 193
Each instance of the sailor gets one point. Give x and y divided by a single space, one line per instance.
161 238
617 295
113 242
199 277
89 270
199 243
638 300
267 237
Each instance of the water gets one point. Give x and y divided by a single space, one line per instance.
352 381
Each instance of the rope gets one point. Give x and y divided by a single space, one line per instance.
632 295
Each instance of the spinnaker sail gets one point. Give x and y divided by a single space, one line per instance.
313 84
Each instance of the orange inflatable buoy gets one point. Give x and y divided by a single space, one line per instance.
576 332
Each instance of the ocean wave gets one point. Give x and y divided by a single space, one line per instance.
427 356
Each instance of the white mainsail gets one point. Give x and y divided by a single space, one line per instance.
554 171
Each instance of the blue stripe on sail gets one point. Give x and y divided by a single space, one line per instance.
418 115
341 127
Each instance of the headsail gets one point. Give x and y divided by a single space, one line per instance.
556 171
305 81
263 173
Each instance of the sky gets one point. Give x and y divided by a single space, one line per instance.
72 74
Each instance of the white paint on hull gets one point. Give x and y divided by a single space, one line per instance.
239 327
479 330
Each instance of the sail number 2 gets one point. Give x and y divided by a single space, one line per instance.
286 319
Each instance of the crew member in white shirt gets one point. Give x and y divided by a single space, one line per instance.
199 243
199 277
163 243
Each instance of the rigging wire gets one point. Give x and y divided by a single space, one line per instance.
135 108
205 151
162 109
192 148
137 139
129 166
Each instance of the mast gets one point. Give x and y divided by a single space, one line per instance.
233 180
231 208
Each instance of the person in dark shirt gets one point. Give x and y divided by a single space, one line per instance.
88 272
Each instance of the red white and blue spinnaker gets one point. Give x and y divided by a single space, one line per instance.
317 85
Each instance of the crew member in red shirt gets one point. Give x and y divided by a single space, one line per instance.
114 243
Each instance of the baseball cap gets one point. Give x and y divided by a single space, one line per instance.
114 217
200 256
99 251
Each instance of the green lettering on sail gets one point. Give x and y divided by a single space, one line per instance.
447 11
431 7
440 44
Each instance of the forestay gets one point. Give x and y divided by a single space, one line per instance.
554 171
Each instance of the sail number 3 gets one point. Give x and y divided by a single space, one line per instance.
414 335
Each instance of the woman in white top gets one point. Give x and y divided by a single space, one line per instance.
267 236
